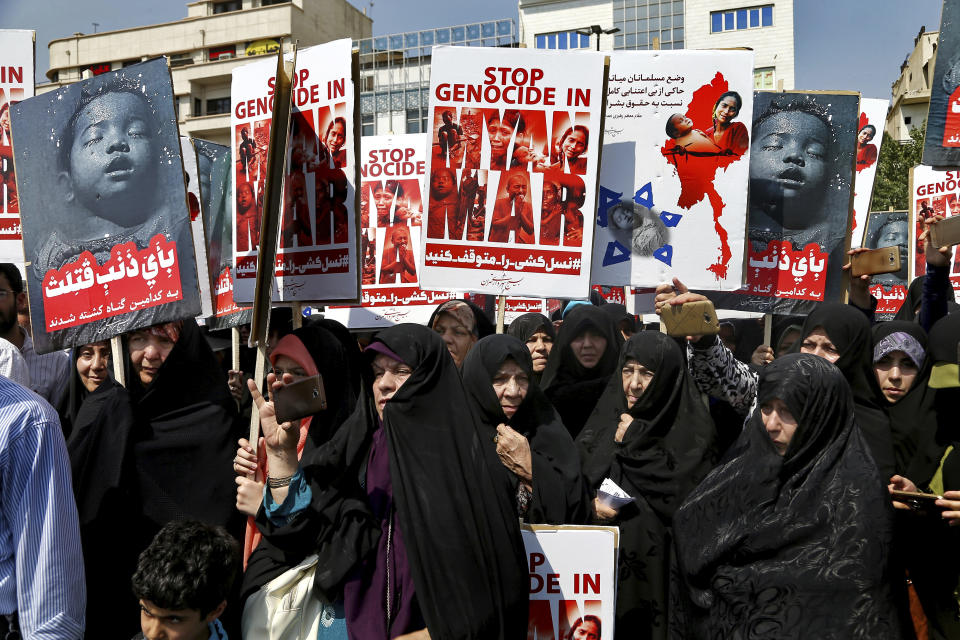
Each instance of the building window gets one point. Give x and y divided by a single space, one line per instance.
765 78
197 107
740 19
644 24
127 63
907 119
267 3
413 121
563 40
227 5
103 67
366 124
225 53
218 105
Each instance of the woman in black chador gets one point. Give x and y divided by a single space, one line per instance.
653 436
790 536
534 454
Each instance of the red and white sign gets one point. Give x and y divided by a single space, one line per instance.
573 580
16 83
934 192
514 149
873 115
317 252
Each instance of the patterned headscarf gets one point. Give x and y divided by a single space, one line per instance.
900 341
461 312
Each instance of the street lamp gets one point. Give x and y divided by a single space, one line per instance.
597 30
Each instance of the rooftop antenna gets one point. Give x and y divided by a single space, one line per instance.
95 25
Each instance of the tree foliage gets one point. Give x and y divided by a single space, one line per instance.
892 185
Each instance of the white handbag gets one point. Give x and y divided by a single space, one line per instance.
285 608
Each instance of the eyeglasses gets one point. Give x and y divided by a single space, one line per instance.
6 292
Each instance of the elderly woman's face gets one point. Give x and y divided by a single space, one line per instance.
510 383
388 376
726 110
636 378
790 155
458 338
540 344
779 423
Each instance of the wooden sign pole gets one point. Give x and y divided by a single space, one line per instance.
501 312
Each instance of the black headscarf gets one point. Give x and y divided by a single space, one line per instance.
665 453
101 434
912 418
187 430
462 537
790 546
909 310
571 388
559 493
618 313
849 331
524 326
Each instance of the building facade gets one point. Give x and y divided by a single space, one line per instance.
204 48
910 98
395 72
767 28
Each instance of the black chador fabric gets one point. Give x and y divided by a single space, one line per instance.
910 308
462 536
340 363
187 432
936 574
99 445
559 492
573 389
665 453
792 546
912 418
528 324
618 313
849 331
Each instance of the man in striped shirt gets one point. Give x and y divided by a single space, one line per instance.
50 372
41 562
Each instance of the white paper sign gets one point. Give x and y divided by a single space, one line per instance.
512 166
676 161
573 580
873 114
318 244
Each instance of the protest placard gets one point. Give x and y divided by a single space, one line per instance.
215 173
317 256
941 146
515 138
573 580
392 197
800 211
873 113
108 231
890 229
932 191
16 83
196 223
676 159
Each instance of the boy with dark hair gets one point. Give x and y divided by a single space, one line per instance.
182 581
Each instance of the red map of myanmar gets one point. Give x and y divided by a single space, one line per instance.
696 164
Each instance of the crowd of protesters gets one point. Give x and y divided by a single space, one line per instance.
761 484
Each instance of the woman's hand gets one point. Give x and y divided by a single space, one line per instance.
245 462
860 285
951 502
899 483
676 294
249 495
625 421
762 356
235 383
514 452
282 438
602 511
936 256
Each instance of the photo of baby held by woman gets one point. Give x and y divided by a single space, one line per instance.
118 179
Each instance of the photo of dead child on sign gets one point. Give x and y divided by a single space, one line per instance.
109 236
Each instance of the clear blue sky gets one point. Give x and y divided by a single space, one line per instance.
840 44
